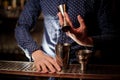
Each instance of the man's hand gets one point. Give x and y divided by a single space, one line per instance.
45 63
79 35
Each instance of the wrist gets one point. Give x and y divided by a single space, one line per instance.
88 42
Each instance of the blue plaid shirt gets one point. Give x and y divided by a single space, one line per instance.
95 13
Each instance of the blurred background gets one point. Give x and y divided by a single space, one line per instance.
9 13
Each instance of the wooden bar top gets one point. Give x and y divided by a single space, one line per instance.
93 71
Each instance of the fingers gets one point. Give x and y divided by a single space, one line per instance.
68 19
60 18
81 21
59 60
45 63
54 63
48 65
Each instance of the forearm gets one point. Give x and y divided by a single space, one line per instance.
25 23
24 39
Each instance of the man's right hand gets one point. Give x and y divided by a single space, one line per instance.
45 63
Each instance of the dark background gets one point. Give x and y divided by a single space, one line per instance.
9 49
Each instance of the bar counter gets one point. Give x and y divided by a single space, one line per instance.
94 71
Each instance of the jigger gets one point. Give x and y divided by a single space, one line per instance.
62 53
83 58
63 8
